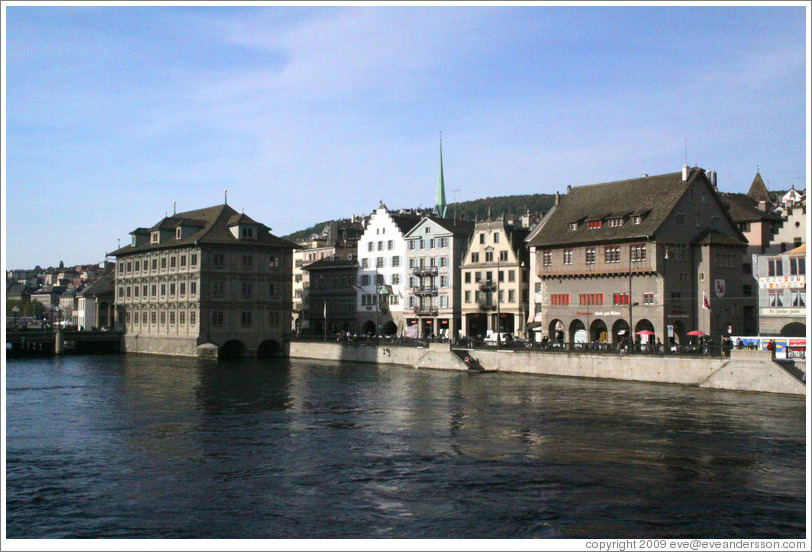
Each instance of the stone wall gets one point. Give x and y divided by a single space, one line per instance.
174 346
741 372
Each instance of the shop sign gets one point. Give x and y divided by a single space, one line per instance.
784 311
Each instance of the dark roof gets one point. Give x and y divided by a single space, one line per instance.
101 287
651 197
714 237
405 221
758 190
455 226
743 208
331 264
214 223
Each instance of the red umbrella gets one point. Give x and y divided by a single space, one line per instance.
697 332
645 332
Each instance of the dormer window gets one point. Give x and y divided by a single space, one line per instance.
178 233
615 222
155 237
594 224
246 232
573 226
638 219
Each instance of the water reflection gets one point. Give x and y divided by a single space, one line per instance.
152 446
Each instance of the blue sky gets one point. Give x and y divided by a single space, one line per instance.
312 113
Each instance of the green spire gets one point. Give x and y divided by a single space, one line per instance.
439 200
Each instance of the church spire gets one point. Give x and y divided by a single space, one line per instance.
439 201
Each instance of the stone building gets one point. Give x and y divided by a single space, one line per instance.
208 277
495 280
435 248
331 296
782 293
658 254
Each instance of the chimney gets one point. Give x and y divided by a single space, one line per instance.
557 198
762 206
713 180
569 188
685 173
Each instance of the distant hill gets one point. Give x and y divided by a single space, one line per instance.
471 210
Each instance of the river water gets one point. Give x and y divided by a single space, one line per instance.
145 446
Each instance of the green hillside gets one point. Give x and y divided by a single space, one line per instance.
474 209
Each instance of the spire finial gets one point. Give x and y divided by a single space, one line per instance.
226 199
174 207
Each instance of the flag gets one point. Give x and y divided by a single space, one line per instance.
705 304
325 310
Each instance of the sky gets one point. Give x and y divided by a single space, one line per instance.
114 116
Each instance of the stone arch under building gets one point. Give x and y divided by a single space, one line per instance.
598 332
794 329
577 331
390 328
556 330
269 348
620 329
233 348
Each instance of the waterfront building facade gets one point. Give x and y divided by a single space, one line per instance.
435 247
380 292
211 276
782 293
658 254
96 304
495 281
331 296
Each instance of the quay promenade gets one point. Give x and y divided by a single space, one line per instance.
743 370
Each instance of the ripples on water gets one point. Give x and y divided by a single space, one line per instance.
142 446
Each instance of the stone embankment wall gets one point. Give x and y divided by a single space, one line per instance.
743 371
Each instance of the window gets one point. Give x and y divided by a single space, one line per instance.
798 298
615 222
573 226
590 255
590 299
370 246
482 238
503 255
153 317
547 258
193 318
193 288
247 232
560 299
379 262
163 262
218 260
154 237
154 264
474 257
648 298
380 245
489 256
468 296
775 267
496 237
144 290
247 261
274 290
395 279
154 290
797 265
638 253
612 254
511 296
172 317
163 290
620 299
679 218
364 263
128 291
182 317
135 291
247 289
776 298
390 245
594 224
396 261
245 319
182 289
411 245
511 275
217 288
129 266
163 317
698 220
183 260
567 256
194 259
638 219
747 290
273 262
172 289
467 277
172 261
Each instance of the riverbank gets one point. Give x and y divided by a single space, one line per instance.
745 370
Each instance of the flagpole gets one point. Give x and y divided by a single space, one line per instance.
325 320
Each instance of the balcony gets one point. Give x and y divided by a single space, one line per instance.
426 311
424 290
487 285
487 305
425 271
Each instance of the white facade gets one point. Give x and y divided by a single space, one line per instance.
382 266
